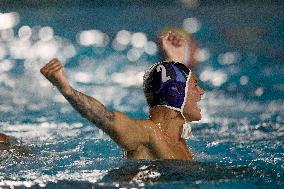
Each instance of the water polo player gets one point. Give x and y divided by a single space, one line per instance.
172 93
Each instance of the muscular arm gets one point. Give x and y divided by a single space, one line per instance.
91 109
122 129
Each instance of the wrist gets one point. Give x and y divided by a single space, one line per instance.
66 90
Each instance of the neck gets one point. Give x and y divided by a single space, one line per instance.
171 121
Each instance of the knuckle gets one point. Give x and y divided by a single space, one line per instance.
43 71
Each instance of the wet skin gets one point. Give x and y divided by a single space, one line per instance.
158 137
155 138
191 110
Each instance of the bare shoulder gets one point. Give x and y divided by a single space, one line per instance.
138 123
150 129
144 124
129 133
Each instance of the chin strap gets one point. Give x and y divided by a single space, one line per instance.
186 131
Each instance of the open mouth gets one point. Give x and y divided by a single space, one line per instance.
198 105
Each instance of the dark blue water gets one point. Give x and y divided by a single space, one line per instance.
239 142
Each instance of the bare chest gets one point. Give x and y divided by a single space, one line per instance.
173 149
162 148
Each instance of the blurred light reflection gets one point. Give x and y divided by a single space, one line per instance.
83 77
244 80
191 25
151 48
20 49
259 91
118 46
46 50
216 78
25 32
3 51
6 65
202 55
8 20
138 40
93 37
128 78
134 54
7 35
123 37
228 58
45 33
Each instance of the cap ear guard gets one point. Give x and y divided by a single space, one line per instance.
174 91
174 94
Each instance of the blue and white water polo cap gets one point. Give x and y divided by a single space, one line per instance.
165 84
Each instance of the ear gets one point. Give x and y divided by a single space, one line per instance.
174 95
174 90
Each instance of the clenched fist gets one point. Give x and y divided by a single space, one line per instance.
174 46
55 73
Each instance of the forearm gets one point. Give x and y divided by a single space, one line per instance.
122 129
90 108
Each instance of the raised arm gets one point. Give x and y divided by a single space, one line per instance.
174 46
179 48
122 129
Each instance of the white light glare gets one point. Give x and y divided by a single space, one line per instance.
259 91
244 80
151 48
3 51
117 46
93 37
134 54
83 77
228 58
128 78
6 65
45 33
191 25
7 35
46 50
139 40
8 20
216 78
123 37
20 49
202 55
25 32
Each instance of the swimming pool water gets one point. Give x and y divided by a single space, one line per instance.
237 144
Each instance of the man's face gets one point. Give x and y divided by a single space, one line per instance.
191 110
